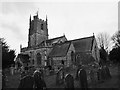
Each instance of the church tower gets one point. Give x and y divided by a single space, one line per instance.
38 31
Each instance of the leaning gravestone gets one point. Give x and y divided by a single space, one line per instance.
60 76
83 79
69 82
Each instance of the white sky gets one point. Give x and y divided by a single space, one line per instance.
75 19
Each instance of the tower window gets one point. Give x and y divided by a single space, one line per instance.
42 26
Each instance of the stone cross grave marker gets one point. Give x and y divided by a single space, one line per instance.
83 78
69 82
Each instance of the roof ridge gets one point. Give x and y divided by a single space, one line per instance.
55 38
63 43
81 38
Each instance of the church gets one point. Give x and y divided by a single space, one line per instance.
59 51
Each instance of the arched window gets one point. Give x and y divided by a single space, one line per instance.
41 26
62 62
38 58
72 56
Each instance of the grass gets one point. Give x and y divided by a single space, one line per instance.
13 80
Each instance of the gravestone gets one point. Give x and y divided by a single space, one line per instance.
79 67
26 82
107 72
39 81
69 82
98 74
42 73
103 74
12 70
92 78
60 76
83 78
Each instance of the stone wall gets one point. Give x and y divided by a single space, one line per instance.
95 51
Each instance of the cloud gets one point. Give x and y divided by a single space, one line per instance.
78 19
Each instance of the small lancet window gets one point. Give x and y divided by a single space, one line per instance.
41 26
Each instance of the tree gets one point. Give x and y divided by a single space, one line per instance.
103 40
103 55
8 55
115 52
115 55
116 39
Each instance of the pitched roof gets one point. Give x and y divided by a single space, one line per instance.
54 39
83 44
60 49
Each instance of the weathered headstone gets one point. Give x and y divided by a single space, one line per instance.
47 71
79 67
26 82
107 72
12 70
103 74
60 76
69 82
42 74
83 79
39 81
100 74
92 78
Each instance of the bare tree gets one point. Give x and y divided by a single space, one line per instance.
116 39
103 40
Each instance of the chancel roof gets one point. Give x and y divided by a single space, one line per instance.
83 44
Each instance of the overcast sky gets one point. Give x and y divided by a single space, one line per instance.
74 19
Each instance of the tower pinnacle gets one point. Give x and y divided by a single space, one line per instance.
37 14
46 19
30 20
